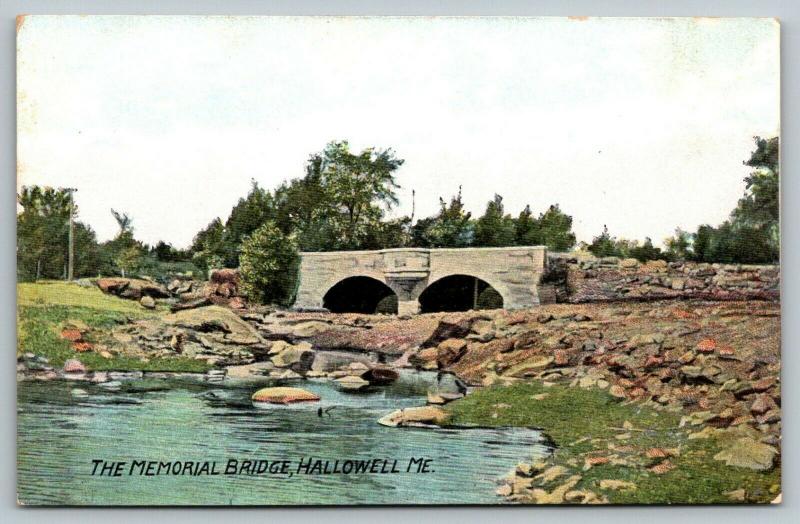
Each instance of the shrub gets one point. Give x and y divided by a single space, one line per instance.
269 264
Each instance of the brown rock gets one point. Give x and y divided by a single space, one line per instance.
147 302
445 330
762 404
425 358
82 347
617 391
662 467
653 361
73 335
450 351
591 462
763 384
707 345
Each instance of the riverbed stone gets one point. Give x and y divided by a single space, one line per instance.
74 366
416 416
352 383
284 395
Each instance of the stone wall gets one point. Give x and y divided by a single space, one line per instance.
587 279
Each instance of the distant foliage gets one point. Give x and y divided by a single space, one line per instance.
245 217
341 203
555 229
269 265
605 245
495 228
42 236
452 227
751 235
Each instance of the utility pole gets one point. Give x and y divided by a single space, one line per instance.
71 254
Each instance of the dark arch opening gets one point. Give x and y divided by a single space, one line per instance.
360 295
459 293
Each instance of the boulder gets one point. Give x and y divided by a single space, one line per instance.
418 416
133 288
425 359
748 453
446 329
327 361
450 351
352 383
257 369
74 366
216 319
762 404
148 302
297 358
225 276
283 395
309 329
380 376
442 398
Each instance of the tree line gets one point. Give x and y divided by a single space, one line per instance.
341 203
750 235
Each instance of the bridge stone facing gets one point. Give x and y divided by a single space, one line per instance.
515 272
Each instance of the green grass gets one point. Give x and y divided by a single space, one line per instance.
44 308
57 293
569 415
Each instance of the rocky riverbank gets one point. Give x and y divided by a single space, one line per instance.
637 396
664 392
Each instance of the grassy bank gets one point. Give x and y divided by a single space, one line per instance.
590 423
44 308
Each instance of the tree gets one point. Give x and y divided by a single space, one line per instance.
302 208
42 236
646 251
526 230
555 229
752 233
701 244
121 254
452 227
388 234
246 216
679 246
207 246
494 228
357 185
758 211
269 266
603 245
127 260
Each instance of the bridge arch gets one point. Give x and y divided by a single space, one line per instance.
460 292
360 294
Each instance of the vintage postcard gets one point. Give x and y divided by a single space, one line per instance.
310 261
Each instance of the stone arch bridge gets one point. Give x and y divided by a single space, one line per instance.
509 276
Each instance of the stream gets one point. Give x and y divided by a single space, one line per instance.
64 425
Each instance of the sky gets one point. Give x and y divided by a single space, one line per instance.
638 124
